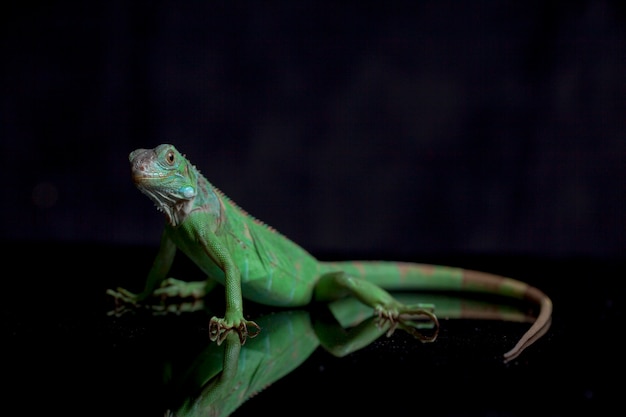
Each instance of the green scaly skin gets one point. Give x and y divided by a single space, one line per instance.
252 260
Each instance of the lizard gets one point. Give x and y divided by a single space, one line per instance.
253 260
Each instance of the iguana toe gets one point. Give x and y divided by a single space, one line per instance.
219 329
410 319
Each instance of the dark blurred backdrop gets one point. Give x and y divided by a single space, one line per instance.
401 127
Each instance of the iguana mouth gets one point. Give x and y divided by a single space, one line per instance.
139 177
141 171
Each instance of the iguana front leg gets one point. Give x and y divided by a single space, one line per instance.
390 311
157 287
233 319
159 270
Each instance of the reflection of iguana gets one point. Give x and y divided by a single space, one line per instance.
222 377
254 261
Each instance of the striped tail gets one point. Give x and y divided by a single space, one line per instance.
414 276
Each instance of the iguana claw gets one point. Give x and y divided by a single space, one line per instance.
410 319
219 329
123 300
122 295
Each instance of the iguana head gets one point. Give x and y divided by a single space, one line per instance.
167 177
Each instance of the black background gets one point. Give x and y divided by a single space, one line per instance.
404 127
480 134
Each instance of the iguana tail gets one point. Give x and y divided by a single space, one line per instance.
426 277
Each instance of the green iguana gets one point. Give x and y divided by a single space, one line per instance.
252 260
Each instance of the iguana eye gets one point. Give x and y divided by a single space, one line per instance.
170 157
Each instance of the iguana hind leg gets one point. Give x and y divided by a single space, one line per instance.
390 311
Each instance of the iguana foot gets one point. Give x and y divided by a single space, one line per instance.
171 288
220 327
125 301
410 319
122 295
157 301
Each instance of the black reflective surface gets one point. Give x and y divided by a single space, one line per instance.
65 354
